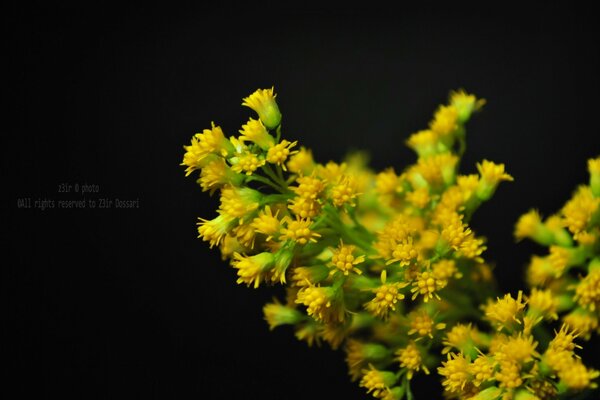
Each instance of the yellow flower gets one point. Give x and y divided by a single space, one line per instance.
560 259
309 187
214 230
302 162
455 372
254 131
539 271
577 376
344 260
307 276
580 209
472 247
210 141
386 297
482 369
298 230
359 353
216 174
509 375
252 269
433 171
308 332
426 285
517 349
344 191
587 291
410 358
504 311
454 231
277 314
425 143
247 162
304 207
387 182
422 324
238 202
582 321
404 252
279 153
245 234
542 303
267 223
491 175
465 104
322 303
530 225
462 337
445 120
333 333
377 382
263 102
419 197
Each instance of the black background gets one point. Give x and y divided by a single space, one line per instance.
130 304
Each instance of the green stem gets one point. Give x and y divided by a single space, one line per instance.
409 393
264 180
269 172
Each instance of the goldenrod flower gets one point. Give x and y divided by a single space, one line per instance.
322 303
254 131
439 169
422 324
277 314
252 269
580 209
307 276
377 382
309 187
344 260
267 223
455 371
216 174
304 207
427 286
308 332
560 258
404 252
465 104
410 358
279 153
298 230
245 234
333 333
445 120
509 375
517 348
504 311
539 271
587 291
543 389
419 197
445 269
530 225
425 143
387 182
302 162
491 175
386 297
247 162
263 102
576 376
482 369
462 337
454 231
239 202
214 230
582 321
344 191
358 354
210 141
542 303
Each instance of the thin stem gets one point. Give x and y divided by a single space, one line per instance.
264 180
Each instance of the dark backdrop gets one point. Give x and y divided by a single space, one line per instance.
128 303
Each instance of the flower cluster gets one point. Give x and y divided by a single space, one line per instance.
385 265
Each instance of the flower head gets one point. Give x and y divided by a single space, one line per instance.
410 358
263 102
